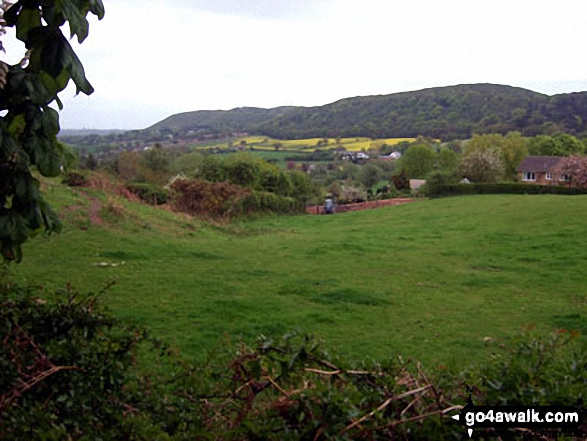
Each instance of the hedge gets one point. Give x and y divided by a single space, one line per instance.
503 188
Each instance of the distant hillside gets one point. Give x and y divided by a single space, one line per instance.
443 112
218 121
88 132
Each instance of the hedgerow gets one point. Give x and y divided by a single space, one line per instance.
69 370
502 188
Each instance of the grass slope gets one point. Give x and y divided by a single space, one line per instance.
430 280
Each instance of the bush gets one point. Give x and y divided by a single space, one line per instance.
505 188
214 200
63 368
149 193
266 202
75 179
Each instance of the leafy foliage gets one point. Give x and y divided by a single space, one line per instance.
214 200
149 193
64 365
29 126
483 165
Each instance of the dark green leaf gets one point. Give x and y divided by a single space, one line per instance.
97 8
50 121
28 19
17 125
57 56
48 158
77 21
53 58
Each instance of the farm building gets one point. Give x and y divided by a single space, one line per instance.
541 170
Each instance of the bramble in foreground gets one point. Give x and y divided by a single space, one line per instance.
68 369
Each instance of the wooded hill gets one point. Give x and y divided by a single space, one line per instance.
454 112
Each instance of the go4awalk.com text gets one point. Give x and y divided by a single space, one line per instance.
566 419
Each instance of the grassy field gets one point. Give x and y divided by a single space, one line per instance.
431 280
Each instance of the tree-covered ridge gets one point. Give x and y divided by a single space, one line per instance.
217 121
454 112
445 113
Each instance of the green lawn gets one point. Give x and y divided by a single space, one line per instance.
429 280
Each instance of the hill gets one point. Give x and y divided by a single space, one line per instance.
444 112
218 122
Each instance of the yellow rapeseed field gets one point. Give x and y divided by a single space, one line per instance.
309 144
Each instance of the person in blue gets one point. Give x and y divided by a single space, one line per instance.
328 206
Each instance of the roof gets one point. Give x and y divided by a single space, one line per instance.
415 184
539 164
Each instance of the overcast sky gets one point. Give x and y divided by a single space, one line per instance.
150 59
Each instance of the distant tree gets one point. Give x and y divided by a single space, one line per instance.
575 168
304 189
447 160
558 145
29 125
512 149
91 163
418 161
129 166
335 190
567 145
483 165
401 181
542 145
455 146
370 175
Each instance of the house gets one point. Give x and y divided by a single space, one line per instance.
393 156
415 184
354 156
541 170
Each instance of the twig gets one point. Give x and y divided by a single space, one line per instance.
277 386
383 406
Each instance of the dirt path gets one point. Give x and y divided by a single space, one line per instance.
318 209
93 209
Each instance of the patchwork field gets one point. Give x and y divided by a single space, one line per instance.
307 145
438 280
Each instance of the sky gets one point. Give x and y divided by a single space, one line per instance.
150 59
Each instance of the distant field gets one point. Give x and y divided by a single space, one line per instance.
308 145
429 280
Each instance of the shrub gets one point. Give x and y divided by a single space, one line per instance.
75 179
149 193
212 200
352 194
63 368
